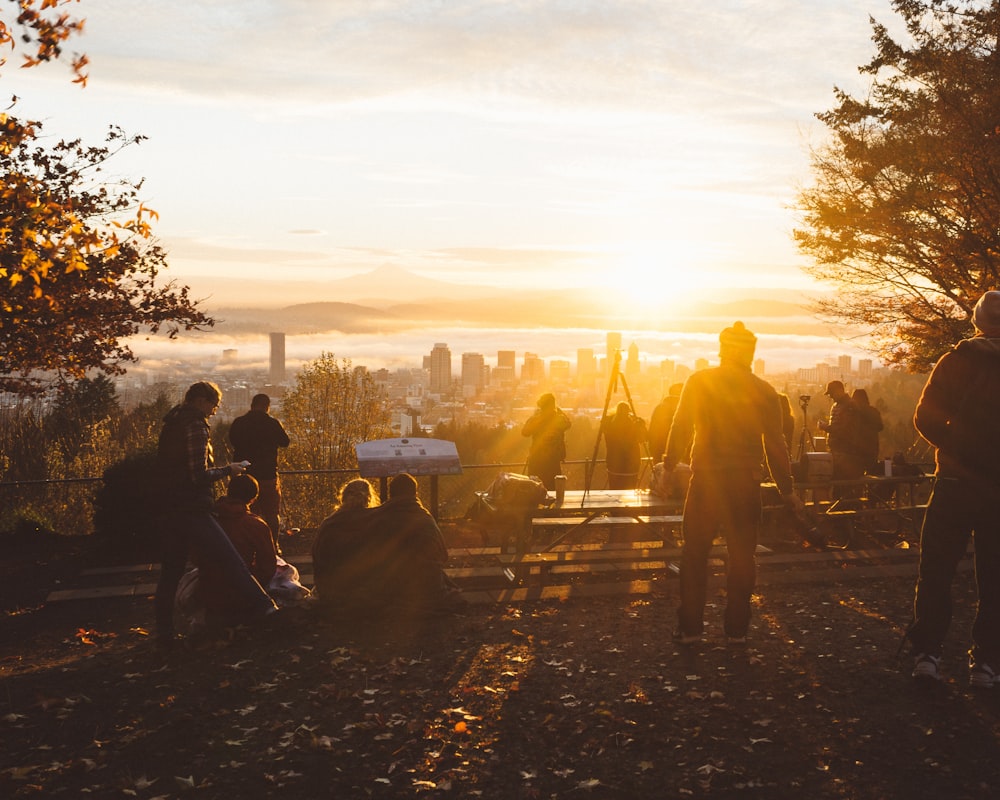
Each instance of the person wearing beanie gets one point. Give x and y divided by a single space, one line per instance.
986 314
956 413
547 428
733 419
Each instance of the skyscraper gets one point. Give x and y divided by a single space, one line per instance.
440 363
473 372
276 374
614 344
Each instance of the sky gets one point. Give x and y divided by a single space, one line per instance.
512 143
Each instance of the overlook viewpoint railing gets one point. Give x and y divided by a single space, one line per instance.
65 506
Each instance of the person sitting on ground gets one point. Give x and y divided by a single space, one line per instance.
249 533
202 597
339 566
411 552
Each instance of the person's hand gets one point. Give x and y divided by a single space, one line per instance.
238 467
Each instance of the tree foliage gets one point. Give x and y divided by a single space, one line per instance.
80 269
44 29
902 214
331 408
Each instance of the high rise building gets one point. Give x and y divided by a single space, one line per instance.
276 373
864 367
506 359
631 365
533 369
614 344
474 372
559 370
586 365
844 366
440 368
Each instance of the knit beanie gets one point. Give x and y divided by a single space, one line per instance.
986 314
737 344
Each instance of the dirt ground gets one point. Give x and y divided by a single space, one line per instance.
582 698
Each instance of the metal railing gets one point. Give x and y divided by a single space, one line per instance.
66 506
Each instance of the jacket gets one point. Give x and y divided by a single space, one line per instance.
185 464
731 420
956 411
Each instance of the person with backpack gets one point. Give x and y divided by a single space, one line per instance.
957 414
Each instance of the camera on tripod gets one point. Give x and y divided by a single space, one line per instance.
804 401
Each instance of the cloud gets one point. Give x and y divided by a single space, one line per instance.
626 53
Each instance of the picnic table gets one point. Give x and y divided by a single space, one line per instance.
580 508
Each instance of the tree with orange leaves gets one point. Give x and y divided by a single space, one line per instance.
80 270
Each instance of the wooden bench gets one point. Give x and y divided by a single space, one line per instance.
583 559
621 527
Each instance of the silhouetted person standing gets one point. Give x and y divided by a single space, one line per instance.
842 437
546 427
186 472
624 434
660 419
256 437
869 426
957 414
734 420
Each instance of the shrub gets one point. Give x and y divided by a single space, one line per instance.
127 503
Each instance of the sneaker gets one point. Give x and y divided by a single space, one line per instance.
679 637
982 676
926 666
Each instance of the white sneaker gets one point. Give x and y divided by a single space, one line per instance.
926 666
982 676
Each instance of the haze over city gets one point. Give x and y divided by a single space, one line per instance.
527 146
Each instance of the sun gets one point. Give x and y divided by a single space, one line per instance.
655 278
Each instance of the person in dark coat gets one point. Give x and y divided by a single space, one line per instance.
410 551
957 414
256 437
186 472
547 428
660 419
342 573
869 426
624 434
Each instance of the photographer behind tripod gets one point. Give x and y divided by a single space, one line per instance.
624 432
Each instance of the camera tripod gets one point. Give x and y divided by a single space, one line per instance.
804 437
613 379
